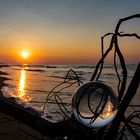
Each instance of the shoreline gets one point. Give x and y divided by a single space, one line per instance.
11 128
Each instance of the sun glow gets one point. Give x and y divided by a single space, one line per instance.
25 54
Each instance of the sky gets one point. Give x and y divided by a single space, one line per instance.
64 31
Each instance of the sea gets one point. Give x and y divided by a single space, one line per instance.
46 89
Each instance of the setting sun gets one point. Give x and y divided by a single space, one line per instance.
25 54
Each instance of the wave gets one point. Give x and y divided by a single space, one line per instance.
129 66
35 70
51 66
85 66
4 65
70 77
4 78
3 73
109 74
31 69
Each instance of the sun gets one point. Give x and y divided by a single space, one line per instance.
25 54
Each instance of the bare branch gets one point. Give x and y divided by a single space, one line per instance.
129 35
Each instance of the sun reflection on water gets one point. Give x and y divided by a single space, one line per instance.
21 89
108 111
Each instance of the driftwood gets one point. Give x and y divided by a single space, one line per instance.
124 98
124 104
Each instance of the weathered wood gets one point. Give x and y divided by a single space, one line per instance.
125 103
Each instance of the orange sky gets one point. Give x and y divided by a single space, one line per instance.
50 54
63 32
83 53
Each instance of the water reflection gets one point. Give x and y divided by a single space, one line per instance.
108 111
94 104
21 89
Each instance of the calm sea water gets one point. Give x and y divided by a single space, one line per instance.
31 84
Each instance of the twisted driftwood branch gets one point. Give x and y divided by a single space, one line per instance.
133 85
124 100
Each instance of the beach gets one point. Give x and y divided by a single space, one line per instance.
11 128
29 86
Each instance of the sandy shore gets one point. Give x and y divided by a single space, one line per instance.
11 129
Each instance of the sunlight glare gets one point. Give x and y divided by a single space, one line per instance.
25 54
21 91
108 110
